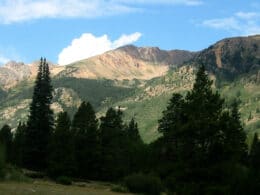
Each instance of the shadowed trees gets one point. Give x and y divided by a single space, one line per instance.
40 121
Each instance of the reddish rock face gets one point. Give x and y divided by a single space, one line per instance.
235 55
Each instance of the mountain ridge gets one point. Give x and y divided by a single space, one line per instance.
144 92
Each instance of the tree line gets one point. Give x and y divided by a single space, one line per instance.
202 148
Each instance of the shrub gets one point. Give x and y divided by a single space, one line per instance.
119 188
64 180
140 183
15 174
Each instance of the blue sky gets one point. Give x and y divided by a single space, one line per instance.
68 30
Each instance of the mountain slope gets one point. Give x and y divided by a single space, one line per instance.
13 73
141 81
232 56
128 62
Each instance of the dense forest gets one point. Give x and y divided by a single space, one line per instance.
202 148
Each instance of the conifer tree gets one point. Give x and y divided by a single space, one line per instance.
40 121
254 155
201 136
61 158
235 136
134 148
86 139
6 139
18 144
133 132
113 142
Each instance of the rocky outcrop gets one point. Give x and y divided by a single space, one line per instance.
232 55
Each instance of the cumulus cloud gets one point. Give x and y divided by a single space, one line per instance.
22 10
88 45
242 23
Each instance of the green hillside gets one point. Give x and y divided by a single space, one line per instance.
143 100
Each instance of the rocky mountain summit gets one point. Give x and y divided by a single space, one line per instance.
232 56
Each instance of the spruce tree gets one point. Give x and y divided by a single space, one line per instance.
235 146
40 120
133 132
254 155
113 142
6 139
19 144
201 138
86 139
61 158
134 148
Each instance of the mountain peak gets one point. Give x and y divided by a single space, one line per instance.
232 55
156 55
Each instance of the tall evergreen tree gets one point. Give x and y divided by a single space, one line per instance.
254 155
19 144
40 121
113 142
6 139
133 132
200 136
86 138
235 136
134 148
61 158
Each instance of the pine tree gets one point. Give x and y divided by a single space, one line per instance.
40 121
113 142
235 136
86 138
61 157
6 139
171 124
134 148
19 144
133 132
201 137
254 155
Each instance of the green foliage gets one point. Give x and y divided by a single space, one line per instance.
86 140
61 160
141 183
119 188
6 139
12 173
133 132
114 150
199 134
40 121
19 144
2 161
64 180
106 91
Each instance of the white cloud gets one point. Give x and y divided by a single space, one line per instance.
88 45
22 10
247 15
242 23
126 39
223 23
169 2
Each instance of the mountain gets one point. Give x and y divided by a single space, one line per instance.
13 73
140 80
128 62
232 56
